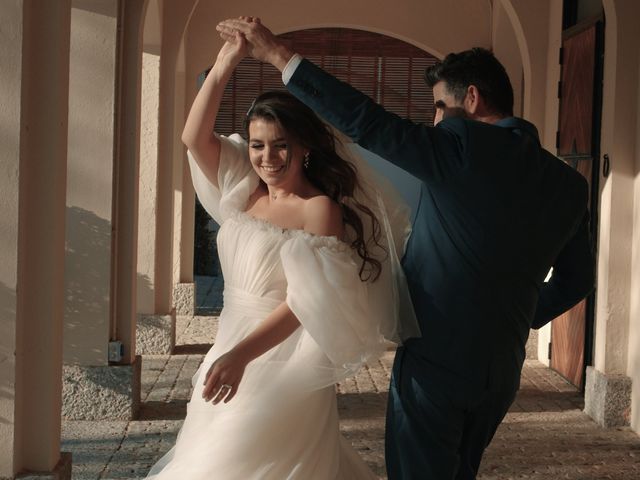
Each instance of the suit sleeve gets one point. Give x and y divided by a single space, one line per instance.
573 277
429 153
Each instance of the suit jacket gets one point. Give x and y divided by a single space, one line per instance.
496 211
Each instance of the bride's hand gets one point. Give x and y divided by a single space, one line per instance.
223 378
233 50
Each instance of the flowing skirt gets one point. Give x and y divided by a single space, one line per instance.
278 426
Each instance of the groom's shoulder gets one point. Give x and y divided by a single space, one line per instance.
471 134
464 127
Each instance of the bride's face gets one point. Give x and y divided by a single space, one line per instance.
274 156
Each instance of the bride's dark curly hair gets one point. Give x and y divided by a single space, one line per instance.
330 173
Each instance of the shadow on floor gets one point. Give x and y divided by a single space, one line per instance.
362 405
192 349
156 410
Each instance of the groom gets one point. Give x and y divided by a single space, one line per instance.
496 212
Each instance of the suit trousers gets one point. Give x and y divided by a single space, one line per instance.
435 431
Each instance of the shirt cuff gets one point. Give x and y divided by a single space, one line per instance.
291 67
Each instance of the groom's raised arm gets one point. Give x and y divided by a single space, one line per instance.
428 153
416 148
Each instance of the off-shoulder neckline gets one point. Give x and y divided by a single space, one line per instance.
315 240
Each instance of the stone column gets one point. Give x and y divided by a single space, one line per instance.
162 81
183 208
122 322
148 193
634 311
184 288
92 388
34 51
608 386
156 329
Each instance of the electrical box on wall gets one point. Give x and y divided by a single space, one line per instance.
116 351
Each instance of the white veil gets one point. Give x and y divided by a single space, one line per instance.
389 294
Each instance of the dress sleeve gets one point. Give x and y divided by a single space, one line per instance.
326 294
236 179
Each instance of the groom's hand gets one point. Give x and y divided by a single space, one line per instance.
262 43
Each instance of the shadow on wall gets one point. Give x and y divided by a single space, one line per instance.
7 353
87 287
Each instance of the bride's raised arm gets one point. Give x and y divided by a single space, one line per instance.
198 134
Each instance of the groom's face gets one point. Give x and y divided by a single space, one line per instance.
445 103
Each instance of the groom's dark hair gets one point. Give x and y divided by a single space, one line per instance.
478 67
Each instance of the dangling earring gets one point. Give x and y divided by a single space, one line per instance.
305 162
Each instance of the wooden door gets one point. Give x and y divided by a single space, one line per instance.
577 144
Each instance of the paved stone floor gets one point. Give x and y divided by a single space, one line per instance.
545 435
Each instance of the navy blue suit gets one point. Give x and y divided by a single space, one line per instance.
496 211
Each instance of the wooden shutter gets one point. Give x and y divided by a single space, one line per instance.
388 70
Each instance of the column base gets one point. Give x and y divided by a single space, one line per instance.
184 298
607 398
61 472
156 334
110 392
532 345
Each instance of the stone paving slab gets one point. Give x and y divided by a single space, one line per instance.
544 436
197 330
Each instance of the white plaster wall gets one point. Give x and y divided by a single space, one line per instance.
616 201
505 48
634 310
90 181
530 21
551 102
10 95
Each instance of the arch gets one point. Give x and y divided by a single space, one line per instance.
365 28
435 27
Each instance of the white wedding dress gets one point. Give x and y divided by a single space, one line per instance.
283 422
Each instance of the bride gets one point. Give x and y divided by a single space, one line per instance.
308 250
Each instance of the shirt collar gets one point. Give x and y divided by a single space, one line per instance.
519 126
